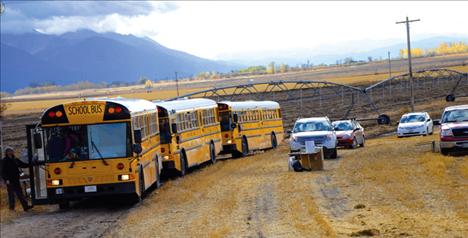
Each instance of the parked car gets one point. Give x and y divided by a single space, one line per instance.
415 123
349 133
317 129
454 129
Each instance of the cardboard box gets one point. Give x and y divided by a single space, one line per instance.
310 161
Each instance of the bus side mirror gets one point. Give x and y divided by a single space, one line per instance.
174 128
37 140
137 136
436 122
236 118
137 149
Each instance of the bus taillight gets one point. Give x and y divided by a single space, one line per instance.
59 114
57 171
51 114
120 166
118 109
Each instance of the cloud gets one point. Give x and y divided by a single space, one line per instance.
43 9
62 16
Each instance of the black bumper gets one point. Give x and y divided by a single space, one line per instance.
168 164
229 149
77 192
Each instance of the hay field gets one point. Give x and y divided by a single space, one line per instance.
26 106
392 187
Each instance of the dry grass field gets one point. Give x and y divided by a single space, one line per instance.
37 103
390 188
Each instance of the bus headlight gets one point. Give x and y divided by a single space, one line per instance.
166 157
229 141
124 177
56 182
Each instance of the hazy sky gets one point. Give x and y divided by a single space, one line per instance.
219 29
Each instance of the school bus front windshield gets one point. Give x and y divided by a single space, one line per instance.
87 142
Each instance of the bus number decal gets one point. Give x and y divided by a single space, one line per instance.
92 109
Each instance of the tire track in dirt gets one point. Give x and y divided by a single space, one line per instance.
82 221
248 197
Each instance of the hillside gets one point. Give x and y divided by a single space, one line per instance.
85 55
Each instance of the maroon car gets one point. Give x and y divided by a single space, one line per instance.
349 133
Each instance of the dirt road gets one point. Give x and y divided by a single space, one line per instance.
391 188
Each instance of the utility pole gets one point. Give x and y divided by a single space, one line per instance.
389 66
177 84
407 22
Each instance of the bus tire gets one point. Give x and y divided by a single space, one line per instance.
141 182
183 164
212 153
158 174
245 147
65 204
274 142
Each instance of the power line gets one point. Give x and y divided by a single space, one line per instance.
410 69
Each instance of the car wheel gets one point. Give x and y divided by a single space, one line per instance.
444 151
334 154
355 143
363 142
432 131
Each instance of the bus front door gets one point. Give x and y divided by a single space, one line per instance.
37 171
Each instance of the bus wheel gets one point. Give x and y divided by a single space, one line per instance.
158 175
212 154
274 142
64 204
142 182
183 164
245 147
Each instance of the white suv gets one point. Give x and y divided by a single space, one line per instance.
317 129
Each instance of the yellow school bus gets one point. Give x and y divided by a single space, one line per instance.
250 125
190 133
94 147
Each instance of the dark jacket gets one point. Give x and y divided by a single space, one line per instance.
10 169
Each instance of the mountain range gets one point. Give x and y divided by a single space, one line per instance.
330 53
35 58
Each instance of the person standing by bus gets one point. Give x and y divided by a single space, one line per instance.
11 175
